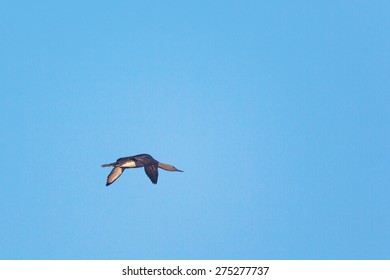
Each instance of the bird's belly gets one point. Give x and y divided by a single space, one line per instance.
129 164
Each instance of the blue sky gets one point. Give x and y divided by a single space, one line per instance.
277 111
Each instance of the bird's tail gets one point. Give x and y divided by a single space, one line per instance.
108 164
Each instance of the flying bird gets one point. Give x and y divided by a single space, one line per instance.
143 160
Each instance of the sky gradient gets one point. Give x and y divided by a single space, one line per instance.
278 112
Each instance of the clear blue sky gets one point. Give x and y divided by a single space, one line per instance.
277 111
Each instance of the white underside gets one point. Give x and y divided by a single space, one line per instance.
129 164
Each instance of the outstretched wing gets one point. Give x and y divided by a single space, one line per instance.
115 173
150 165
152 172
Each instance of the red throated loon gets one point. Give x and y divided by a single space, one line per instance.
142 160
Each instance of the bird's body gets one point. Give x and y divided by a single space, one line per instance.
142 160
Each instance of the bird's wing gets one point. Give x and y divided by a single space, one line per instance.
150 165
115 173
152 172
145 159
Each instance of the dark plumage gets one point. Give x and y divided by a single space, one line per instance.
143 160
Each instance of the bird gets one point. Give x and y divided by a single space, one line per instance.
142 160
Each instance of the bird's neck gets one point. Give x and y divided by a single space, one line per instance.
166 166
